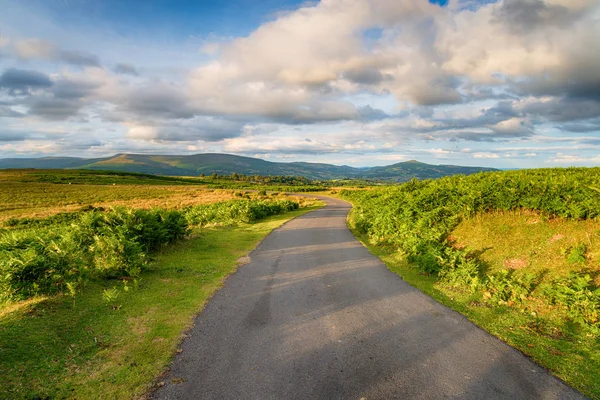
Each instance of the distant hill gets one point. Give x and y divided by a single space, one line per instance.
226 164
405 171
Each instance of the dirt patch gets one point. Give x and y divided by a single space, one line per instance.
556 238
243 260
138 325
453 241
515 263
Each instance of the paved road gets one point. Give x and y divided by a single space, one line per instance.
316 316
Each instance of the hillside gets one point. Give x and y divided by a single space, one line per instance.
226 164
405 171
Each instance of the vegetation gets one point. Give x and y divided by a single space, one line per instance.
425 229
117 337
96 285
40 193
90 177
47 259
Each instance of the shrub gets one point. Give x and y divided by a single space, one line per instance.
47 256
97 244
578 295
577 254
38 262
235 211
506 287
418 216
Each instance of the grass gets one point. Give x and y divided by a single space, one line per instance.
568 352
43 199
42 193
95 347
523 240
89 177
37 200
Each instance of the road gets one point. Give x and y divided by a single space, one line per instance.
315 316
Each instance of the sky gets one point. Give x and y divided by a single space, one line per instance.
505 84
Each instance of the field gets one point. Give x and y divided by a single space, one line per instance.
517 252
40 193
99 271
115 346
99 277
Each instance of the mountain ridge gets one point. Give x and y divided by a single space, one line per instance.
227 164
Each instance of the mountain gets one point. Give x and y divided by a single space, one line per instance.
405 171
226 164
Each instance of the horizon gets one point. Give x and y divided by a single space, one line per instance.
506 84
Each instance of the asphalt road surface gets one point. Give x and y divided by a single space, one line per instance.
315 316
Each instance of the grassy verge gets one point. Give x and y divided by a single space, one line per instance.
113 343
569 353
527 241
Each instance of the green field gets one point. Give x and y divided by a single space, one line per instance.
115 347
101 273
517 252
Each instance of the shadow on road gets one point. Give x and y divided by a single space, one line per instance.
316 316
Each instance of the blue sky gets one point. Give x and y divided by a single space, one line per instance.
167 17
506 83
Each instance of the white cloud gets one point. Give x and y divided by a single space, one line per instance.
569 159
486 155
34 48
513 126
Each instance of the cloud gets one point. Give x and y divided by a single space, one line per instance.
52 108
6 112
425 54
199 128
486 155
518 127
71 89
156 99
581 127
20 81
560 109
12 136
525 16
365 76
568 159
31 49
34 49
78 58
126 69
557 55
293 145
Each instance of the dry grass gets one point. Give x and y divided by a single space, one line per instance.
526 240
37 200
123 159
31 199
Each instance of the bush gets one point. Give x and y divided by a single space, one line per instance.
235 211
418 216
97 244
38 262
579 296
506 287
47 256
